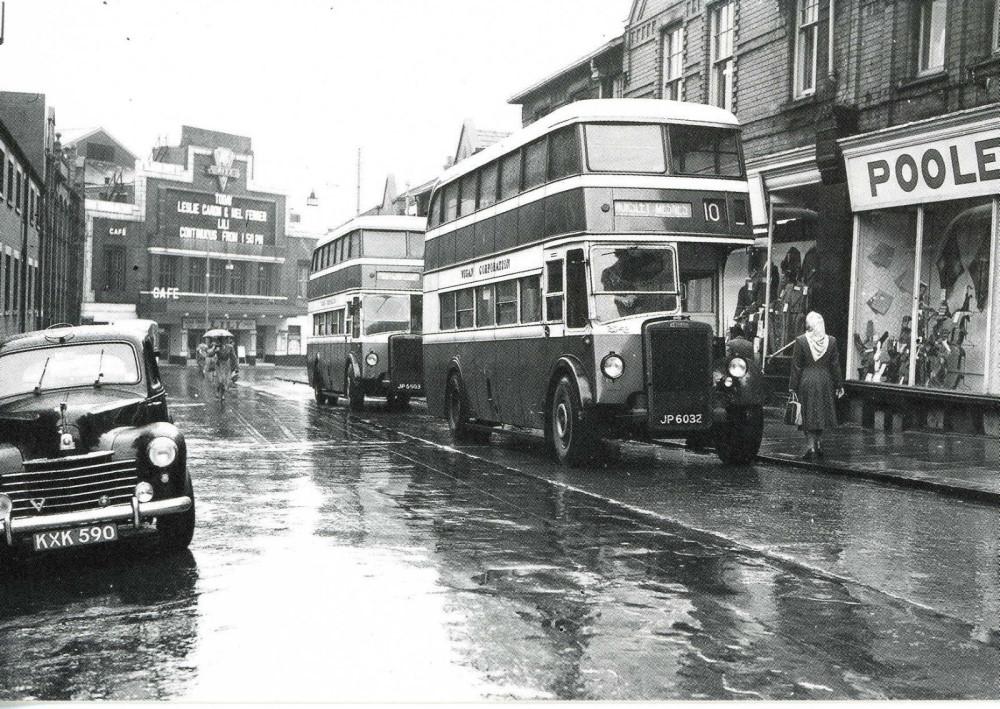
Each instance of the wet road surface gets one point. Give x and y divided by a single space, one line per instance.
344 556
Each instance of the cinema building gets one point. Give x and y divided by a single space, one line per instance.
192 241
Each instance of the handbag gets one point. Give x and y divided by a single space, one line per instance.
793 410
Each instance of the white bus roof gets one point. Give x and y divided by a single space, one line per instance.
383 222
626 110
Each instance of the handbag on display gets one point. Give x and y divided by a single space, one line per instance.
793 410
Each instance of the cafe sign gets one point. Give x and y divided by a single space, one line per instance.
955 167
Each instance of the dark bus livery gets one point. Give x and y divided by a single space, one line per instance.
365 302
573 275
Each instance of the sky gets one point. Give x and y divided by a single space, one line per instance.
310 82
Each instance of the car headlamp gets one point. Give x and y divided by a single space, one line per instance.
162 451
372 359
144 492
738 367
6 505
613 366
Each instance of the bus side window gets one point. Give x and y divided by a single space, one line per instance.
355 317
416 313
576 289
531 299
446 302
554 290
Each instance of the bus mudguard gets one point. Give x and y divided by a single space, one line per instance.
352 362
573 364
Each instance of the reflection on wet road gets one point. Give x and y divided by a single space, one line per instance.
349 557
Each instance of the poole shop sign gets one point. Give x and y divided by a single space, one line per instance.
927 170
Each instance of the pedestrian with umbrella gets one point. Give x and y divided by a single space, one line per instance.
226 361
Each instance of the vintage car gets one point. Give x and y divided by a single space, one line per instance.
88 452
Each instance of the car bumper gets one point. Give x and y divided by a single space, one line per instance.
136 513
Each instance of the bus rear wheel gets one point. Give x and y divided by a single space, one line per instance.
457 411
737 441
571 430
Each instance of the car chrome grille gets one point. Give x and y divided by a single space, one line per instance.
79 482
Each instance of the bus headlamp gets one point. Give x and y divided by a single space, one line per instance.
738 367
162 451
372 359
613 366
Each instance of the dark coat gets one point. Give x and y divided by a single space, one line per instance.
815 382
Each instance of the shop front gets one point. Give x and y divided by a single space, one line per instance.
800 264
923 277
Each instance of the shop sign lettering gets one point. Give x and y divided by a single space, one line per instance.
218 217
166 293
966 166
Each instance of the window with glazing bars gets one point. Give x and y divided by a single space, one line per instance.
673 62
722 30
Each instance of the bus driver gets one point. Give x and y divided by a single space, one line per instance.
638 276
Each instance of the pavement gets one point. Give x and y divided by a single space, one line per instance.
949 463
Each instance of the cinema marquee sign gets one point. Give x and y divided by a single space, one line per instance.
197 216
933 170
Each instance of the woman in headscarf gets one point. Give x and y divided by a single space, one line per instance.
816 380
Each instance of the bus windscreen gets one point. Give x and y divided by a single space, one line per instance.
704 150
633 280
386 313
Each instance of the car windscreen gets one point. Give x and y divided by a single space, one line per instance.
705 150
386 313
68 366
633 280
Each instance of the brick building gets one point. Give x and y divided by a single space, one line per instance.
188 238
41 219
908 91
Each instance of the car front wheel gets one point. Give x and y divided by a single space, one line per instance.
175 531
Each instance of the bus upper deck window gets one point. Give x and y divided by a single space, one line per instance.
564 153
554 290
451 201
488 185
467 204
705 150
535 164
615 147
510 175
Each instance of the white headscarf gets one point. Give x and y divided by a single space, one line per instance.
816 334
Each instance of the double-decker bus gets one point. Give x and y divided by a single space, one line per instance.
573 277
365 301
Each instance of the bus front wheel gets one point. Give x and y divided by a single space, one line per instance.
353 390
571 431
738 439
457 410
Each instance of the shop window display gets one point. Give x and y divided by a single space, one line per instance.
795 259
947 348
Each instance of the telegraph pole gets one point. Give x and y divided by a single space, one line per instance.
359 184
